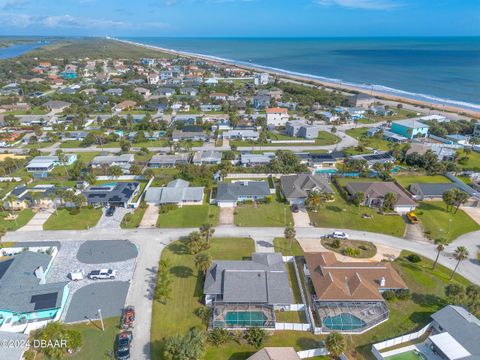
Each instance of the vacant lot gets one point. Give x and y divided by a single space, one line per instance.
273 214
438 223
189 216
64 220
407 180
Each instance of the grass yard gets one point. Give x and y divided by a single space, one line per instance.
291 317
342 215
85 219
87 157
39 145
406 180
189 216
297 297
70 144
177 316
438 223
373 142
164 176
273 214
97 344
23 217
324 138
473 162
427 289
131 221
281 245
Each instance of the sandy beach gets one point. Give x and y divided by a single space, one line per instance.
309 80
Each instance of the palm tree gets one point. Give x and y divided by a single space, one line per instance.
460 197
335 344
313 200
207 230
460 254
440 247
290 234
115 171
203 262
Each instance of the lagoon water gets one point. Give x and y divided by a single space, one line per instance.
440 70
17 50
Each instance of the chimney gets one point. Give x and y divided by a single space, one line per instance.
40 274
382 281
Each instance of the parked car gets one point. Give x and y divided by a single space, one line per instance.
124 340
103 274
294 208
76 275
339 235
110 211
412 217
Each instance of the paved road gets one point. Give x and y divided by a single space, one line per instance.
150 243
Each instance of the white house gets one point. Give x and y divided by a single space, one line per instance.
277 116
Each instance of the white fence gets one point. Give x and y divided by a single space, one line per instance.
397 341
292 141
121 177
312 353
292 326
296 307
9 178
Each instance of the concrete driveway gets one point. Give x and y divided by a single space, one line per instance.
37 221
226 216
112 222
150 217
301 218
473 212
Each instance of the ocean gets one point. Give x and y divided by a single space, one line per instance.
439 70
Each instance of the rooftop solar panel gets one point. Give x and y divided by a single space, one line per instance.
44 301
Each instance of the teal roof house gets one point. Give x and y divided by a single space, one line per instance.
27 302
410 128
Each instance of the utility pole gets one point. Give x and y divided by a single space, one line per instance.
101 319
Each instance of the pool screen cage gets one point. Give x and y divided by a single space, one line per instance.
350 316
242 315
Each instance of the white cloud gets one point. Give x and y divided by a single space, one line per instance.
68 21
12 4
362 4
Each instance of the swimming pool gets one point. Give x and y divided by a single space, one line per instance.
109 184
245 318
326 171
344 321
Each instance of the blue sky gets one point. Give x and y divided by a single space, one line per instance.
225 18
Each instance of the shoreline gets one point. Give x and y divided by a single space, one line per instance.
317 80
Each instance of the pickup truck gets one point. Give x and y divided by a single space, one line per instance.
103 274
124 340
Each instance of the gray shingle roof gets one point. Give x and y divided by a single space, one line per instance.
233 191
177 191
434 189
263 279
463 326
21 290
298 186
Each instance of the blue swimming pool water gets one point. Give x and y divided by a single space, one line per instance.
343 321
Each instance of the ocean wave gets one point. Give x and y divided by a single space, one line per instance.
375 87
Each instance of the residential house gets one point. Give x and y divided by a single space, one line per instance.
40 166
375 194
209 157
443 152
125 105
251 159
258 285
261 102
435 191
27 300
296 188
241 134
300 128
114 92
230 193
42 195
261 79
381 157
410 128
181 135
123 160
56 105
210 107
219 96
177 192
453 334
168 160
361 100
120 194
142 91
190 91
348 295
277 116
167 92
322 160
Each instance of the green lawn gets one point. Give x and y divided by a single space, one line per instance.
281 245
23 217
96 344
291 317
63 220
131 221
189 216
164 176
87 157
39 145
342 215
273 214
473 162
427 289
70 144
373 142
438 223
406 180
177 316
